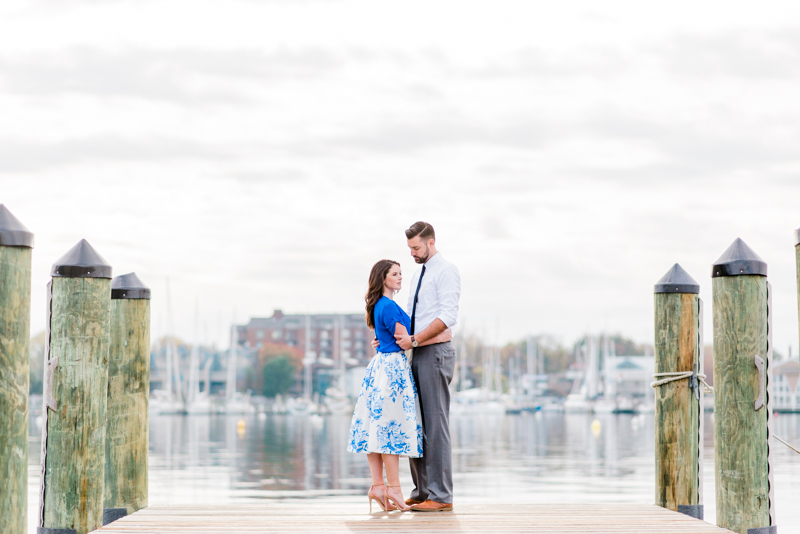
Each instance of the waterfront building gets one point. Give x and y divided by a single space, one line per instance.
336 347
329 336
787 395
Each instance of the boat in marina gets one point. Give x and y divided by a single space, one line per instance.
301 406
477 401
198 402
337 402
169 400
235 401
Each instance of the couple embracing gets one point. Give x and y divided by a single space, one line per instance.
404 406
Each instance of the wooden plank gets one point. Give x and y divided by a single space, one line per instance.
15 314
126 414
315 517
676 412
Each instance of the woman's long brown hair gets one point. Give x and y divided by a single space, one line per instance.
377 277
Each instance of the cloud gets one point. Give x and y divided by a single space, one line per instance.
432 133
267 176
27 156
597 62
179 76
743 54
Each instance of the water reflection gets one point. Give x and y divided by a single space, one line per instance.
299 457
541 457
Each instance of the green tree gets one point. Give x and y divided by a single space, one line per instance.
278 375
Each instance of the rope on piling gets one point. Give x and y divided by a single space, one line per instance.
672 377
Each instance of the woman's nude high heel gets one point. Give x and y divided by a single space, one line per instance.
391 500
372 497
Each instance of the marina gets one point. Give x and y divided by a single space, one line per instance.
527 459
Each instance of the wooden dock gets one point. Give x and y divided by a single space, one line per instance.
315 517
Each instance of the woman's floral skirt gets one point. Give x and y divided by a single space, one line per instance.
387 416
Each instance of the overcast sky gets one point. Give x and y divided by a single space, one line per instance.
264 155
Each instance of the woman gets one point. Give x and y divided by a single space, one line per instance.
387 422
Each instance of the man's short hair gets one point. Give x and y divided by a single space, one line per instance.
421 229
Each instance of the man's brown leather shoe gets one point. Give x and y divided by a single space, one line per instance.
411 502
432 506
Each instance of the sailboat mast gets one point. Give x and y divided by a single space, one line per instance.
176 371
530 367
230 383
168 366
307 360
462 365
194 361
168 345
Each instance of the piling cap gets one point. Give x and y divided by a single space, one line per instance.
82 261
12 232
797 237
677 280
128 286
739 260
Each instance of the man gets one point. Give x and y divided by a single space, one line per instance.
433 305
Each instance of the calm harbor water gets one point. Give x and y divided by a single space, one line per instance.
538 458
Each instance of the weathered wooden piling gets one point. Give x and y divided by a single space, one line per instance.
16 243
75 384
679 397
741 371
128 390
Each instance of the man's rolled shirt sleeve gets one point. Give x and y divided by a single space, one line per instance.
449 292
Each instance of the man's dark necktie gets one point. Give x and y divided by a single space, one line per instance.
416 298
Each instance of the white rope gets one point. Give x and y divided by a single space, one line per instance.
672 377
779 439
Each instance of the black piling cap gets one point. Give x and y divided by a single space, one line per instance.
82 261
128 286
12 232
677 280
739 260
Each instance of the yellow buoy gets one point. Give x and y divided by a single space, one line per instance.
241 427
596 427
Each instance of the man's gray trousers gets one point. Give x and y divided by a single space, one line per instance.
432 367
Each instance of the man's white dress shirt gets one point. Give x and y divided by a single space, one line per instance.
438 295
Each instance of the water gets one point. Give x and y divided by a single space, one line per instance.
534 458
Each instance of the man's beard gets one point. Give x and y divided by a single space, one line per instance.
422 259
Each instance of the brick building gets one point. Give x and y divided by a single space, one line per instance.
334 345
328 336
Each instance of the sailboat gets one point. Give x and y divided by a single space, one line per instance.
197 402
336 399
169 400
202 402
304 405
235 402
607 403
584 390
484 400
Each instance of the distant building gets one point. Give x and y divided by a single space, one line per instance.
632 375
329 337
786 393
332 344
